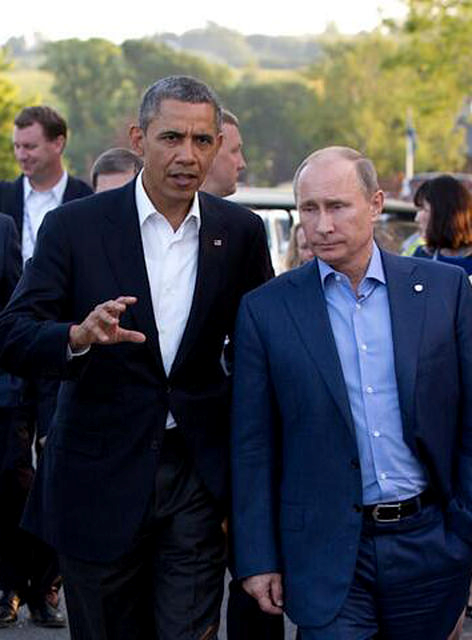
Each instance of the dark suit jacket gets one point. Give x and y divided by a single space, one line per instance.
11 197
99 465
39 393
10 271
296 476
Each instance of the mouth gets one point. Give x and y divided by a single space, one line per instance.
184 179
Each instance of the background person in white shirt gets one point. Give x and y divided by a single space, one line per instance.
28 567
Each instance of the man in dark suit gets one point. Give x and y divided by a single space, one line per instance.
352 439
129 298
245 620
28 569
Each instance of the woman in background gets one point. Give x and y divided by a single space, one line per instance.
445 221
298 251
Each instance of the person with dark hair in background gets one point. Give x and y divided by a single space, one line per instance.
114 168
352 426
128 298
445 221
28 567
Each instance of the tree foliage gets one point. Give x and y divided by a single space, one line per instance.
9 106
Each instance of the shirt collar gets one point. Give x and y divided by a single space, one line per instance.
57 190
146 208
375 270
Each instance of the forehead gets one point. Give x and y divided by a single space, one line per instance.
231 134
177 115
32 133
328 178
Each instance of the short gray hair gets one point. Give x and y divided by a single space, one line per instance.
182 88
366 173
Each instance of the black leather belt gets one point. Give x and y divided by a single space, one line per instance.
395 511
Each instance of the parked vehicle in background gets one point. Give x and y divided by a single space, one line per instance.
277 209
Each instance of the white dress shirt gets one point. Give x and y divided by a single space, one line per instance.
35 206
171 263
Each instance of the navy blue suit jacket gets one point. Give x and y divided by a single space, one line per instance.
10 271
11 197
43 393
296 476
97 472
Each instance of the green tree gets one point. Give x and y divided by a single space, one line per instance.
9 107
148 61
92 82
277 121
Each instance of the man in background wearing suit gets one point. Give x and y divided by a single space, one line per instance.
28 568
113 168
245 620
128 298
352 439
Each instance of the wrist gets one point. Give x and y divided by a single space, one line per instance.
76 339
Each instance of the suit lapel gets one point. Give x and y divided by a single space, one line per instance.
306 305
212 254
124 249
407 293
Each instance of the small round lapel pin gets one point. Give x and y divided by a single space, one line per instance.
418 288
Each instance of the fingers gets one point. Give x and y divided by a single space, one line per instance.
101 326
267 589
125 335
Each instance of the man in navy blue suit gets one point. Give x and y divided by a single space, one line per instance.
28 568
352 435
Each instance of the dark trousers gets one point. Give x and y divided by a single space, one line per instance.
411 583
170 585
246 621
27 565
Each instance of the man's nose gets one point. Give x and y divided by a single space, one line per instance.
242 162
325 222
187 152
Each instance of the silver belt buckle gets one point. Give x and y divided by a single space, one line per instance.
378 518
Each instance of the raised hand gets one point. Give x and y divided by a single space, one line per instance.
102 326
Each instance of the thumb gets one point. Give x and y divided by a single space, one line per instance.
276 591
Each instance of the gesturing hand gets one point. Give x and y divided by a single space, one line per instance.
102 326
266 588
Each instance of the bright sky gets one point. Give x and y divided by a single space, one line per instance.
118 21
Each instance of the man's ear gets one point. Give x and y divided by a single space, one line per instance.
136 136
60 143
219 141
377 203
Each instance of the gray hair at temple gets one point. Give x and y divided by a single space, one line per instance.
181 88
366 173
116 160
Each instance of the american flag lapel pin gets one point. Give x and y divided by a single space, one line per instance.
217 242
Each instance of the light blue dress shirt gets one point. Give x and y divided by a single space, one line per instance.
362 330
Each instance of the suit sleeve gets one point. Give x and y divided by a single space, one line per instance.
460 507
11 259
259 265
254 455
33 335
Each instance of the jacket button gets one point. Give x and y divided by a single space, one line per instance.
357 508
355 463
169 389
154 445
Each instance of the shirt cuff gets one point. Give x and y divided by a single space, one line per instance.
73 354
